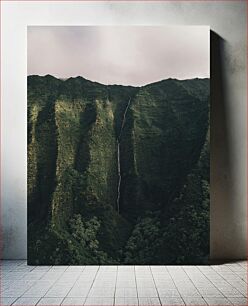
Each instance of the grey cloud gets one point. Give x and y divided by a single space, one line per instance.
128 55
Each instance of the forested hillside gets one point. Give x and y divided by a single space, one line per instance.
118 174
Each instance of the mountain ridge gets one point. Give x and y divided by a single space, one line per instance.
73 127
99 83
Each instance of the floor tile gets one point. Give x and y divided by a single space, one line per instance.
24 268
99 301
15 275
50 301
126 274
145 283
125 269
41 269
84 280
51 275
147 292
189 292
106 275
75 269
239 301
13 292
125 283
230 292
217 301
126 292
194 301
102 292
162 277
33 276
7 301
58 291
164 292
73 301
92 269
126 301
210 292
27 301
58 268
79 290
149 301
166 301
38 290
108 268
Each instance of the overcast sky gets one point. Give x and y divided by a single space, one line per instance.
127 55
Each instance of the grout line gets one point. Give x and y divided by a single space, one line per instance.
26 289
175 285
38 280
228 282
237 298
38 301
193 284
210 282
92 284
73 284
155 285
136 283
243 279
14 300
115 284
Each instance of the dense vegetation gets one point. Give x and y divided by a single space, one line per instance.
73 127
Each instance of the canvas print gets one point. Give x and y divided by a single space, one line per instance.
118 145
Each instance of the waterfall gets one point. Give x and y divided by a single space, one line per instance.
118 141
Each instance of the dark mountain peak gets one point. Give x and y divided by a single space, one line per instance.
83 80
49 76
79 77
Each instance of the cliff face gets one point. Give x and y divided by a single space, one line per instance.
87 146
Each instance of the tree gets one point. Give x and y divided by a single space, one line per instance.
143 245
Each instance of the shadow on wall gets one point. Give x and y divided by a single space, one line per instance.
222 207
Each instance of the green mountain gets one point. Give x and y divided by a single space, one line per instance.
118 174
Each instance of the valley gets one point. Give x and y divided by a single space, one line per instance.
118 174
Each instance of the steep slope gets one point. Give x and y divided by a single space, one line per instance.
168 127
74 167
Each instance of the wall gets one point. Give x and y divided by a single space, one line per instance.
227 20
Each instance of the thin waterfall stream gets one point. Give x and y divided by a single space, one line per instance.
118 141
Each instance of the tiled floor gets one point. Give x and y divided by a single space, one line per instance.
123 285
